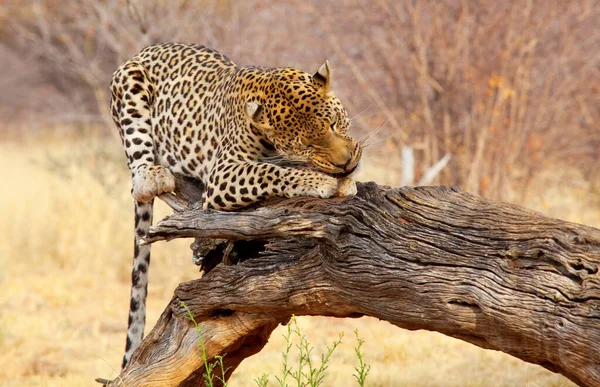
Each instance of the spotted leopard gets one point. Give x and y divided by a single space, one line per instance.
187 109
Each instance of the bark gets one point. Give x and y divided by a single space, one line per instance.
493 274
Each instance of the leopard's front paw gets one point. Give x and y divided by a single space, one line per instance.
328 187
149 182
346 187
318 186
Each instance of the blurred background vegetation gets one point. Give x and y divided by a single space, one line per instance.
499 98
507 89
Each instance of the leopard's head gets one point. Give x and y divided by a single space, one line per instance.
304 120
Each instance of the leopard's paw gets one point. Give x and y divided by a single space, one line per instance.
149 182
318 186
346 187
327 188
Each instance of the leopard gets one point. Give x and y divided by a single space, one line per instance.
187 109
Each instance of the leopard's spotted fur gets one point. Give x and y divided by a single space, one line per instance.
188 109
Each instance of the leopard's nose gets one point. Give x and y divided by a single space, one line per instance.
350 165
346 168
354 154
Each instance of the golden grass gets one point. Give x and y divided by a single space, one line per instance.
65 253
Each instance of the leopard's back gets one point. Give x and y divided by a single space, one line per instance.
191 85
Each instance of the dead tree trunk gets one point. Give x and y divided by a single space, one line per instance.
493 274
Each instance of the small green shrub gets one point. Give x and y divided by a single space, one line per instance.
307 373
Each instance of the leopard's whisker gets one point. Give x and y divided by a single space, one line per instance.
359 114
370 134
364 146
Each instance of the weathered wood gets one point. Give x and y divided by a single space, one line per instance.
493 274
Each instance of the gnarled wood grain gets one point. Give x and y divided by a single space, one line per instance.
496 275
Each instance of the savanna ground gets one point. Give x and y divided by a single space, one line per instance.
509 91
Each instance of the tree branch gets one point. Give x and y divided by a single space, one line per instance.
493 274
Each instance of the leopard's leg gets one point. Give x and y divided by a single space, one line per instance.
132 93
233 185
132 97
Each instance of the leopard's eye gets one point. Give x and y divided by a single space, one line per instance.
333 124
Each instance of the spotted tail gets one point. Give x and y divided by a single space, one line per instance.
139 280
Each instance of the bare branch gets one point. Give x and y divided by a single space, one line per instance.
496 275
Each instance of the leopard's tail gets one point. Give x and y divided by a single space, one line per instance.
139 280
131 98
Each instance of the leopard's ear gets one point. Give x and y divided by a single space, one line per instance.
258 116
322 77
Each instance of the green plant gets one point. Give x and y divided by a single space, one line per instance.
209 367
363 368
262 380
307 374
285 354
314 375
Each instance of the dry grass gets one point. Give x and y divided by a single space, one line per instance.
65 247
